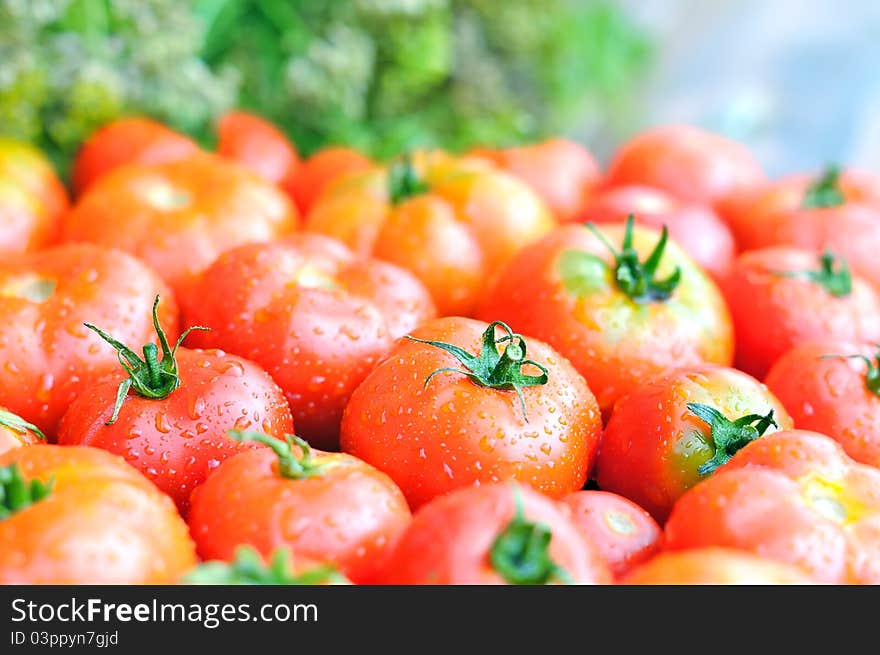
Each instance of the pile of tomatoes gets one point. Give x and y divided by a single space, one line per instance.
501 367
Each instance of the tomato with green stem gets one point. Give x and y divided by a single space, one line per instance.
168 417
620 314
248 568
15 432
676 429
460 402
329 507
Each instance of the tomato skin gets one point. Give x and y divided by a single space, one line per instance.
258 145
103 523
449 539
624 533
714 566
312 313
829 395
348 515
562 172
689 163
48 355
453 433
653 443
178 441
200 206
127 141
320 171
32 198
614 342
11 439
696 228
454 237
793 496
771 313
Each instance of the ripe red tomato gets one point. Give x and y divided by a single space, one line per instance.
258 145
15 432
691 164
127 141
780 297
320 171
696 228
316 316
448 408
792 496
624 533
169 417
324 506
47 356
619 317
658 444
832 387
83 516
714 566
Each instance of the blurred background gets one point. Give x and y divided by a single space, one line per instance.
795 79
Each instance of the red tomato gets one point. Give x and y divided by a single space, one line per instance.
326 506
689 163
47 356
316 316
792 496
127 141
15 432
258 145
623 532
832 387
435 417
780 297
658 445
619 317
499 533
168 417
86 517
714 566
696 228
321 170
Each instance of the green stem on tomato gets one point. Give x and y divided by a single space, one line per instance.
248 568
289 465
16 493
836 281
824 191
18 424
872 375
728 437
404 181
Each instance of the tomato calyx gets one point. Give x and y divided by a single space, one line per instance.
248 568
289 465
729 436
636 278
150 377
16 493
403 180
520 553
872 376
18 424
837 282
824 192
492 369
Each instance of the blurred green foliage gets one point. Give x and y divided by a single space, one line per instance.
381 75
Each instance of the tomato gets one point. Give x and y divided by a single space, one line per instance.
691 164
658 443
47 355
619 317
32 198
127 141
315 315
563 173
499 533
179 216
834 211
452 222
792 496
782 296
168 417
258 145
714 566
327 506
623 532
15 432
84 516
833 387
447 408
321 170
696 228
249 568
